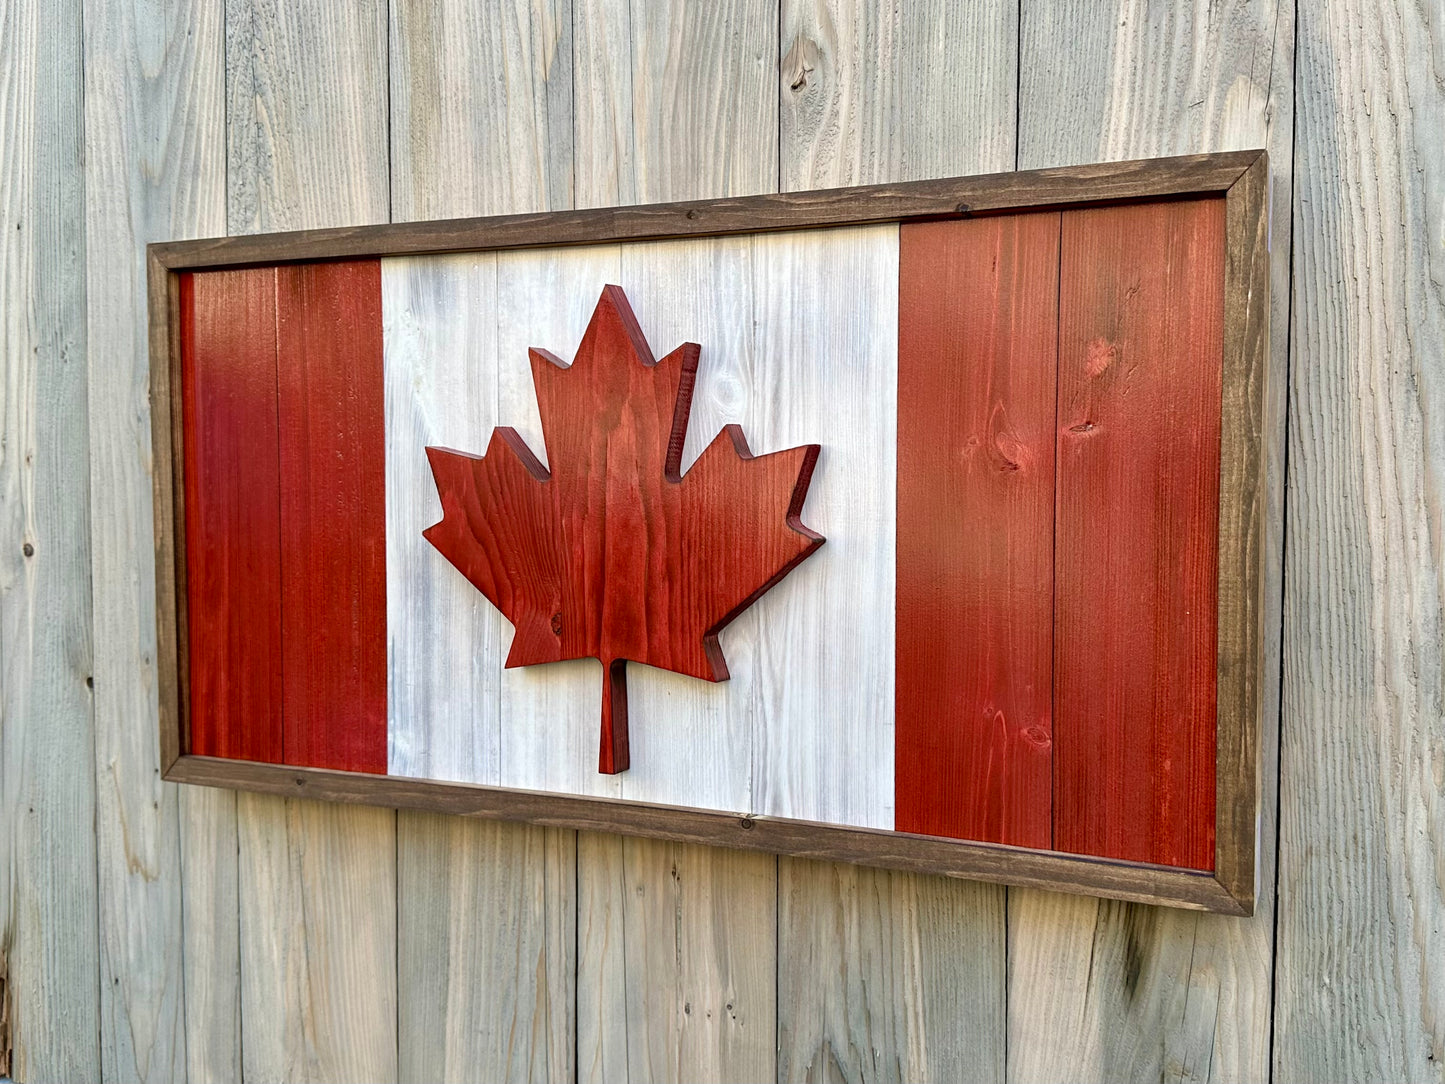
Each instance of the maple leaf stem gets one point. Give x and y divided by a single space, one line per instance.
614 754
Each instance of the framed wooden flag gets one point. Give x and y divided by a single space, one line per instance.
916 525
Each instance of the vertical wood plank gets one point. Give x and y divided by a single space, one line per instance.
1141 80
440 321
868 973
486 942
977 361
699 119
233 512
1141 295
306 137
826 358
872 93
481 123
332 513
697 990
481 108
155 162
1361 983
49 956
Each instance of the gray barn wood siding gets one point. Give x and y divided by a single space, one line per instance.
152 932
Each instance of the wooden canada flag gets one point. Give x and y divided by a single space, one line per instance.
1011 426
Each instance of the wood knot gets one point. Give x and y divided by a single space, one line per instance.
557 623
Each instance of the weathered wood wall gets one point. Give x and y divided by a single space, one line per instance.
150 932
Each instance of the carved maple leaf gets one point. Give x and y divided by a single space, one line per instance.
613 554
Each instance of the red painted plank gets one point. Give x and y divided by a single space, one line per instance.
333 514
613 554
976 401
1140 354
233 532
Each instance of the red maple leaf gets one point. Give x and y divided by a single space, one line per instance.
613 554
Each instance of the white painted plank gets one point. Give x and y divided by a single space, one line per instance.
49 956
155 161
873 93
444 640
306 94
826 369
1360 991
1164 993
481 123
830 368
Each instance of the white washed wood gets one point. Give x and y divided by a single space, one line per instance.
1360 991
873 93
155 170
49 956
480 899
694 743
306 136
1164 993
826 369
444 640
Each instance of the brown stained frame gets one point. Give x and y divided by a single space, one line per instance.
1240 177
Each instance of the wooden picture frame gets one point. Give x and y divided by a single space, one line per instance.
1240 178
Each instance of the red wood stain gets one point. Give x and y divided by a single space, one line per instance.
232 512
1140 349
614 554
976 406
333 514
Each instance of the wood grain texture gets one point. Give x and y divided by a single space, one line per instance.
319 972
155 161
233 513
653 909
835 623
492 902
629 522
481 108
1159 80
1361 981
883 848
867 994
705 126
1111 182
331 424
441 365
306 93
977 384
946 77
49 956
1137 536
547 717
475 899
